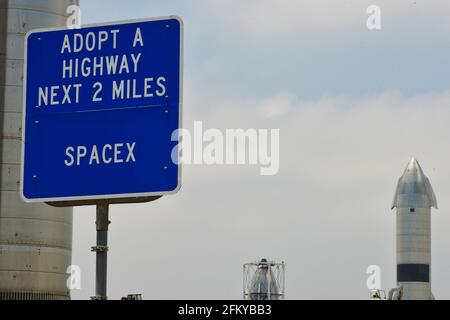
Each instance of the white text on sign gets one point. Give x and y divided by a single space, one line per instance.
153 85
96 155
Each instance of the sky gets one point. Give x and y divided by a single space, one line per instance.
353 105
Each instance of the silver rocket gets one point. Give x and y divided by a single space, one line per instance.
413 199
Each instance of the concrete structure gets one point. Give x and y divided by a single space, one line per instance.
413 199
35 240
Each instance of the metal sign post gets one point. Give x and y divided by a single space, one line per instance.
102 225
101 250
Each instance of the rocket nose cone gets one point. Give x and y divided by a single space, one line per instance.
413 165
414 188
413 172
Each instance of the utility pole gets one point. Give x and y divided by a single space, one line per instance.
35 239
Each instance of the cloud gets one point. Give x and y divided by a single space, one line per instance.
326 213
268 19
276 106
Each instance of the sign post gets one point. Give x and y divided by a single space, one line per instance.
101 251
102 109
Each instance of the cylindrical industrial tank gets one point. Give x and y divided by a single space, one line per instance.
264 280
35 239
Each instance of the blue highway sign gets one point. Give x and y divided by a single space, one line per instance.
102 105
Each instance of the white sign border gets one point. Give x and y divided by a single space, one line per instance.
24 104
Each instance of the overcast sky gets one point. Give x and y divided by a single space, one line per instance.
352 106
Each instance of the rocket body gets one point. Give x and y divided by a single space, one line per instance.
413 200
